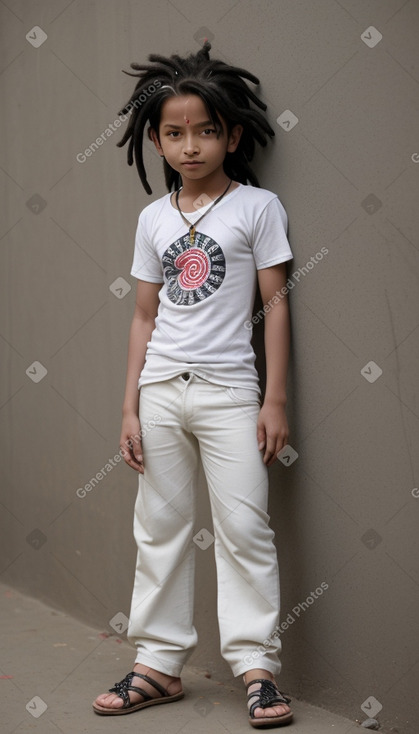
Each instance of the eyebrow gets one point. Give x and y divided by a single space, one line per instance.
198 124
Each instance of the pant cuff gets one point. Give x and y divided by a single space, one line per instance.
168 667
274 667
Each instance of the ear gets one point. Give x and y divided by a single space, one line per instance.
234 138
155 138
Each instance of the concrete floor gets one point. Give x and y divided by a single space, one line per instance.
53 666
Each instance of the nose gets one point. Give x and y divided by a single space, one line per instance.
191 144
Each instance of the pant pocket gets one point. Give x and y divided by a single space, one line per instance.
243 395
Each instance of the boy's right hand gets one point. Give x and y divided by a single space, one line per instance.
130 443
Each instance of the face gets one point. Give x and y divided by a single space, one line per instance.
188 139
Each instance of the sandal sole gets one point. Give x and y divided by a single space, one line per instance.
271 721
103 711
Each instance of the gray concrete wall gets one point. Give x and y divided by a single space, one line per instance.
345 511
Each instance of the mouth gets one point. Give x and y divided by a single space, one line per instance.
192 164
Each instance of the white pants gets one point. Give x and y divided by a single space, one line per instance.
197 419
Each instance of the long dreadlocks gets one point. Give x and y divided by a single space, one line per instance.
223 91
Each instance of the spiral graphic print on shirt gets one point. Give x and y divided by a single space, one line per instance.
193 272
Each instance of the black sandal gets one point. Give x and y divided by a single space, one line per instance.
268 695
122 689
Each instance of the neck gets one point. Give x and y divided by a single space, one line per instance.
212 186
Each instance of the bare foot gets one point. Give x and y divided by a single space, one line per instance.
171 684
259 712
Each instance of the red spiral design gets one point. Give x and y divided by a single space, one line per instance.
195 267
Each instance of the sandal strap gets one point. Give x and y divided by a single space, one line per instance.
125 685
121 689
141 691
257 680
153 683
266 696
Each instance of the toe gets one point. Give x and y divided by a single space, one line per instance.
279 710
109 700
115 702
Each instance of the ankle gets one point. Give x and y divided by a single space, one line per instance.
157 674
255 673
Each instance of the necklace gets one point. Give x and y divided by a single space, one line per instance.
192 227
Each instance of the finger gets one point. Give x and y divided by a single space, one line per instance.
134 464
269 455
132 455
135 447
281 442
137 450
261 437
132 443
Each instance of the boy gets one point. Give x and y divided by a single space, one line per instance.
190 362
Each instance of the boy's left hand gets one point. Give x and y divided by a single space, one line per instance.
272 431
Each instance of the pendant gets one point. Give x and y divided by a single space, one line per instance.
192 231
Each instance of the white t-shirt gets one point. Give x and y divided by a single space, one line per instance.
208 288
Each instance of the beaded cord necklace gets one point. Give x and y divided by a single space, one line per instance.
192 227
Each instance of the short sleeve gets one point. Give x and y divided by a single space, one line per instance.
270 242
146 264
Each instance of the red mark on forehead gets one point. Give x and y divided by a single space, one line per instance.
186 120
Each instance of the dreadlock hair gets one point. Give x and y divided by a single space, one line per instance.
223 91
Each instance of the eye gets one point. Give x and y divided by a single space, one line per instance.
208 131
175 133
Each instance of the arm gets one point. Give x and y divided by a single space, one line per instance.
147 301
272 429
